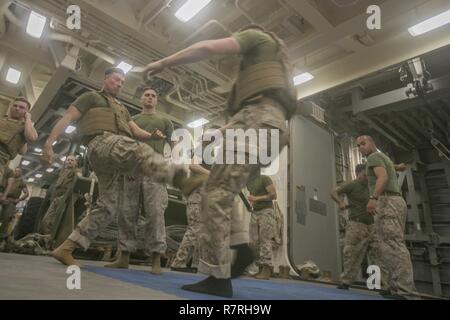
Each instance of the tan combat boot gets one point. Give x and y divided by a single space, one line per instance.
107 253
122 262
264 274
156 263
64 253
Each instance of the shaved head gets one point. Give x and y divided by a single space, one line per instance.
366 145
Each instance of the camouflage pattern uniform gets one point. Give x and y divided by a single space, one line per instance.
154 200
219 225
7 213
189 245
116 160
390 223
262 232
65 180
9 209
3 164
361 239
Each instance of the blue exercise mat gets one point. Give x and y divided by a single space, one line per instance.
244 289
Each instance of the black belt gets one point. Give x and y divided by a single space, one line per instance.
390 194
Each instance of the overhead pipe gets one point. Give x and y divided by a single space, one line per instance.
212 104
206 25
3 8
60 37
10 16
82 45
156 15
177 80
180 103
242 11
207 90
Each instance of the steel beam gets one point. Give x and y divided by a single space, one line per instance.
396 133
399 98
45 98
413 200
382 131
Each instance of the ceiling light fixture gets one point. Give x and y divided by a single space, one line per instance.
302 78
190 9
13 75
198 123
36 24
430 24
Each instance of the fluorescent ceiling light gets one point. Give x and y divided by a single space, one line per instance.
38 175
36 24
302 78
50 170
31 180
54 143
25 162
197 123
125 67
13 75
38 150
190 9
430 24
70 129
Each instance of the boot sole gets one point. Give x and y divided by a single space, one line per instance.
63 261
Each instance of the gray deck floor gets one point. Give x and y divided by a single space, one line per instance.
26 277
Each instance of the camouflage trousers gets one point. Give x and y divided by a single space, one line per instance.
189 245
262 232
361 241
51 216
390 223
7 212
218 219
116 161
3 165
154 201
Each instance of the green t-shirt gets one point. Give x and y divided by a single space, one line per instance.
357 193
379 159
257 187
256 47
150 122
4 183
90 100
16 189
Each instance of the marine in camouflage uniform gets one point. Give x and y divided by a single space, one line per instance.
154 196
6 183
262 223
17 192
106 128
390 211
263 98
16 129
65 180
361 240
189 247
